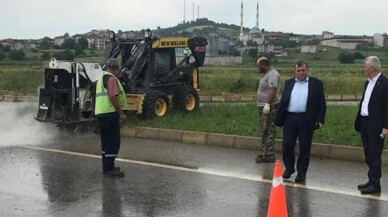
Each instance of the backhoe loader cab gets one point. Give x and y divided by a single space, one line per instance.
158 74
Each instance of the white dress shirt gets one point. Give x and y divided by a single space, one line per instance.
368 93
299 94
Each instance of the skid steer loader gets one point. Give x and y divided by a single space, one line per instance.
158 75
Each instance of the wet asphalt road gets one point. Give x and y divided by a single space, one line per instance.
64 178
45 173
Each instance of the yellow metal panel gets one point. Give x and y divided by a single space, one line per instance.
135 102
195 78
170 43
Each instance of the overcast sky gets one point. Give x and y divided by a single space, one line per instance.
38 18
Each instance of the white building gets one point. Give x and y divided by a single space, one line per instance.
277 50
308 48
128 34
256 36
380 40
343 42
97 41
294 38
77 37
327 35
17 44
59 40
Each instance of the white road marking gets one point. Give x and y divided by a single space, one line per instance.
218 173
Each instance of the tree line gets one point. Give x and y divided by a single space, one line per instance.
72 49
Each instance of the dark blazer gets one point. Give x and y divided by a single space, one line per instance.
377 107
316 103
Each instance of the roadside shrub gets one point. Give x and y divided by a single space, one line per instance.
2 54
45 55
358 56
238 86
64 55
345 58
68 43
79 52
7 49
316 57
17 55
253 53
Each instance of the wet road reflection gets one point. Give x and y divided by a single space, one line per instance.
57 184
42 183
111 198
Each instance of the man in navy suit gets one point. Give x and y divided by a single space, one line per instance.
302 109
372 122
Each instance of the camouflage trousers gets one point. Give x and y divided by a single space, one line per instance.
268 130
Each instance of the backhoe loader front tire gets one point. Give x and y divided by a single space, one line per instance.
155 104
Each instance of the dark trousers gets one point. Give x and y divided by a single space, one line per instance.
295 125
110 140
373 149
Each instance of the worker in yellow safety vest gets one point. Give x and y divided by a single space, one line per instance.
109 106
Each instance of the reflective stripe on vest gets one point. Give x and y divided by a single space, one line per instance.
103 103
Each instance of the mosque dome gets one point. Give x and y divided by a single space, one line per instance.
254 29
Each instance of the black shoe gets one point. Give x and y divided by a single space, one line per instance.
362 186
114 168
114 174
300 178
287 174
265 159
371 190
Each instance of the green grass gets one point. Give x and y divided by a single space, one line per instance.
244 80
22 77
26 76
243 120
216 118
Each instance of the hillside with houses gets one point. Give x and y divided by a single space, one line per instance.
227 42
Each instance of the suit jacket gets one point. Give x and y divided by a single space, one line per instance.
377 107
316 103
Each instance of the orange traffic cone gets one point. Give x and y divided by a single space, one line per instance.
277 202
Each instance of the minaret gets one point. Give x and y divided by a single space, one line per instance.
193 11
257 15
242 20
198 11
184 11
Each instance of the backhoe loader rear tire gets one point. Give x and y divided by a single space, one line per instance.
186 99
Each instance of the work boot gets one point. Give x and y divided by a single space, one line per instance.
362 186
371 190
265 159
287 174
114 174
114 168
300 178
